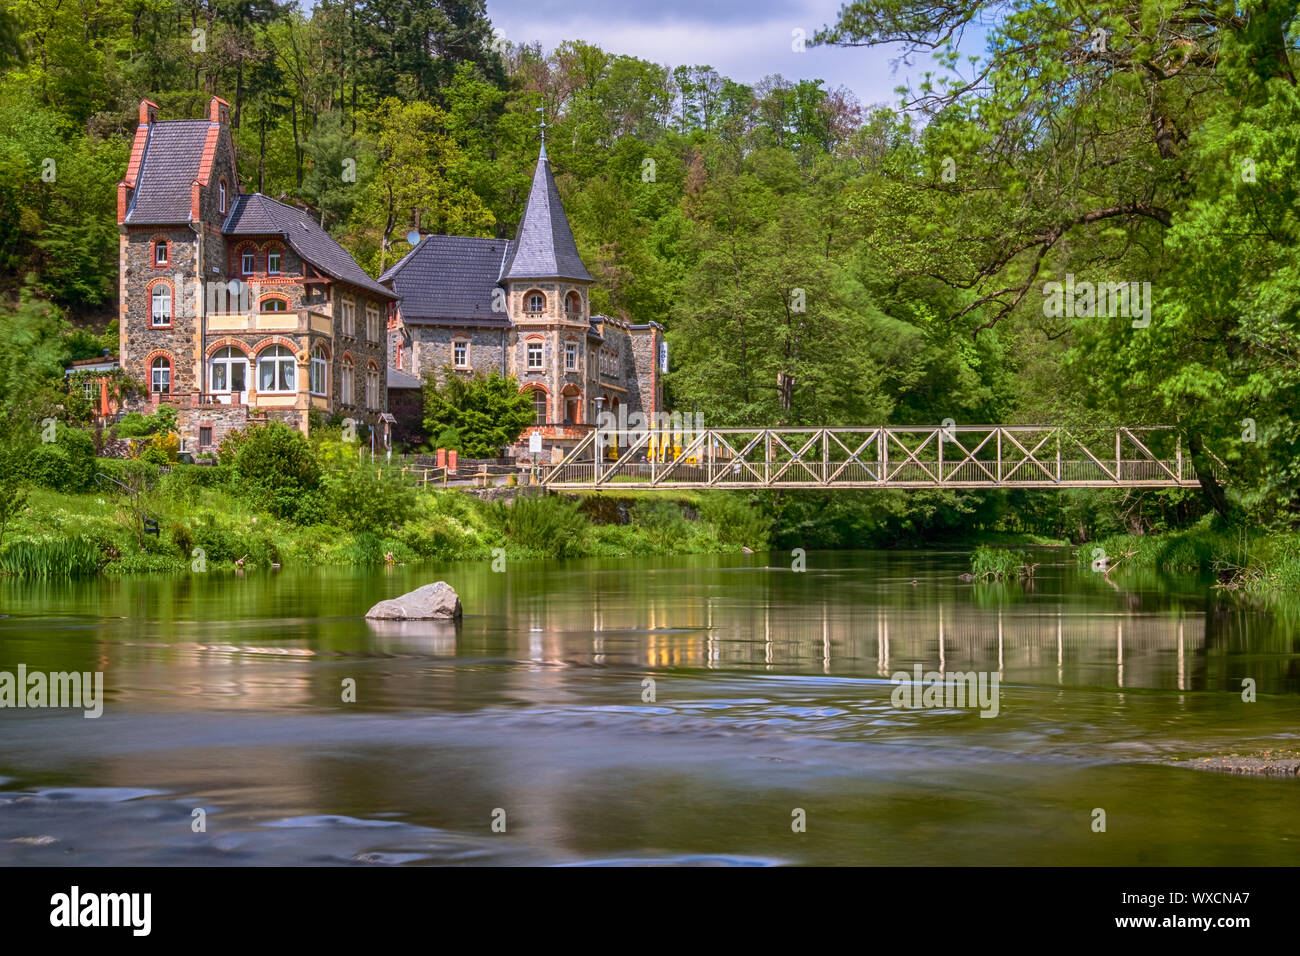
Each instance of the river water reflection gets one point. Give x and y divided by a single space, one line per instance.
771 693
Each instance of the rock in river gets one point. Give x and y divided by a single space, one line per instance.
437 601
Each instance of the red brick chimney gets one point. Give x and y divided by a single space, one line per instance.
148 112
219 111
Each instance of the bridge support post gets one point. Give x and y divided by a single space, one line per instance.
1178 453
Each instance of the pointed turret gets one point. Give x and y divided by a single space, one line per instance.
544 246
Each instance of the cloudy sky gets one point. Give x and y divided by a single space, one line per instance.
743 39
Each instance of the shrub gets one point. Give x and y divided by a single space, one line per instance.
65 464
544 525
362 497
736 522
162 448
136 425
181 538
275 465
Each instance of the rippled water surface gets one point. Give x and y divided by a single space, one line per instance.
771 693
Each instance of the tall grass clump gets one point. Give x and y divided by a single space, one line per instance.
1000 564
62 557
545 525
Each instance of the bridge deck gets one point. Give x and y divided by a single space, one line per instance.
909 457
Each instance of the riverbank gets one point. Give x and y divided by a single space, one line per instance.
202 525
1252 562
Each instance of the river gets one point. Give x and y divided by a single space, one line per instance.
722 710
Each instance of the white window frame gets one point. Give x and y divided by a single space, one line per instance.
221 188
460 353
347 383
570 356
347 316
319 374
535 348
372 322
227 357
277 253
248 262
154 298
279 358
161 246
155 368
372 387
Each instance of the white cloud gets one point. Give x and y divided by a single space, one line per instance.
744 50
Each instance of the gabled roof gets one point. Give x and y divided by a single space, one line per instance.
173 155
258 215
399 379
450 279
544 246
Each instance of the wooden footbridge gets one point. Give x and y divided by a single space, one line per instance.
949 456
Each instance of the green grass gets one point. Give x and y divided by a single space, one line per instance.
208 524
1000 564
52 557
1244 560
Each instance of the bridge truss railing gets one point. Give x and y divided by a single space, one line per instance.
958 456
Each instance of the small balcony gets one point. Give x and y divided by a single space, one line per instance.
300 322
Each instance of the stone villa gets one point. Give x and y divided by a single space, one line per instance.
521 308
233 306
238 308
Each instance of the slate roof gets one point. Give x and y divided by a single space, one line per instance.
450 279
544 246
173 154
258 215
399 379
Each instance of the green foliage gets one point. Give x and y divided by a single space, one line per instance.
275 465
65 464
486 412
999 564
364 497
51 557
137 425
543 525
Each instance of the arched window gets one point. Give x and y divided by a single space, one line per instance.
372 386
247 260
573 304
535 302
228 371
161 308
273 261
221 191
274 304
539 405
275 370
160 375
319 371
346 393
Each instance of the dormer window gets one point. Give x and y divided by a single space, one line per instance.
247 262
160 252
273 262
